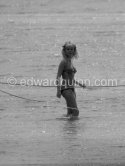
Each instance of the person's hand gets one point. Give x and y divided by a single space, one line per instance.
84 86
58 94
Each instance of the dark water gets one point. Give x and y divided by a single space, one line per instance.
31 37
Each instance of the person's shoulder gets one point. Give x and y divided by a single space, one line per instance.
62 63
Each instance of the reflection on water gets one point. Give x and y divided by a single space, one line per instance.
71 139
71 128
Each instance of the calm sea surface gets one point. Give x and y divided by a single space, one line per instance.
34 132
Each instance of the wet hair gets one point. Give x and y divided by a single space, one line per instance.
69 44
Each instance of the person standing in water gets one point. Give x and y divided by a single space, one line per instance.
66 87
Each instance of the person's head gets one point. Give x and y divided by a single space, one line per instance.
69 51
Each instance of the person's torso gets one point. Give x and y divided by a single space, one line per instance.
68 75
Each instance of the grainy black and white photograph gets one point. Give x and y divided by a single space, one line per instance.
62 82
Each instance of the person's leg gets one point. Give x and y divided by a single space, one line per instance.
70 98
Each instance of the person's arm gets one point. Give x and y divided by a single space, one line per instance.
58 78
81 85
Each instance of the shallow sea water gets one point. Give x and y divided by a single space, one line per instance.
36 132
